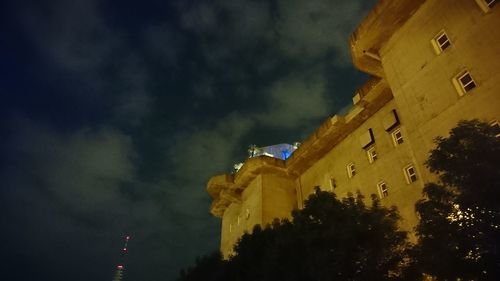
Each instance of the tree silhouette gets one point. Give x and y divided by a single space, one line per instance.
329 239
209 268
459 228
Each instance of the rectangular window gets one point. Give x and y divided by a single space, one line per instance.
397 137
496 127
464 82
441 42
372 154
486 5
351 170
333 184
490 3
410 174
467 82
383 191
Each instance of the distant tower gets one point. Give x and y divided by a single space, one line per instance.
120 268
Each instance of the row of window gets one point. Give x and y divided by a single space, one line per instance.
371 152
441 41
410 175
238 220
463 81
409 172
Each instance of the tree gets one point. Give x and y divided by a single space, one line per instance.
468 161
459 228
209 268
327 240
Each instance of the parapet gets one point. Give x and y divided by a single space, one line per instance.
227 189
372 96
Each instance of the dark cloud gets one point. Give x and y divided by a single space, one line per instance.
297 100
69 190
115 116
76 39
73 34
311 30
298 30
74 189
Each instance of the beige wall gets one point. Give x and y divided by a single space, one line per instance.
278 199
421 80
237 220
388 168
267 197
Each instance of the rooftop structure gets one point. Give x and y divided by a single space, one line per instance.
281 151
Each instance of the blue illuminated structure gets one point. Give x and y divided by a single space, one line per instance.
281 151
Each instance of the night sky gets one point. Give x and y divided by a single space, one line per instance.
114 114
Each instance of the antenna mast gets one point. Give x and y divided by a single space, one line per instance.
120 268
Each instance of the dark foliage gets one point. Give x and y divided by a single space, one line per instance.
459 229
209 268
328 240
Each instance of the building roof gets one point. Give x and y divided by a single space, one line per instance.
226 189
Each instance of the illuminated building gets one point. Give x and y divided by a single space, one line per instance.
432 64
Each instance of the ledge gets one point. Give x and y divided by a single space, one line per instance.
372 96
376 29
227 189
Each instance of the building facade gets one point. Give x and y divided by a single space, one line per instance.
432 64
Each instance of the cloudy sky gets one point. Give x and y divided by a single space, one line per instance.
113 115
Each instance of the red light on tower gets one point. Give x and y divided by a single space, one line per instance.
120 268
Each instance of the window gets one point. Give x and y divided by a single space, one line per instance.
230 227
372 154
464 82
333 184
496 127
467 82
351 170
383 191
397 137
486 5
410 174
490 3
441 42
